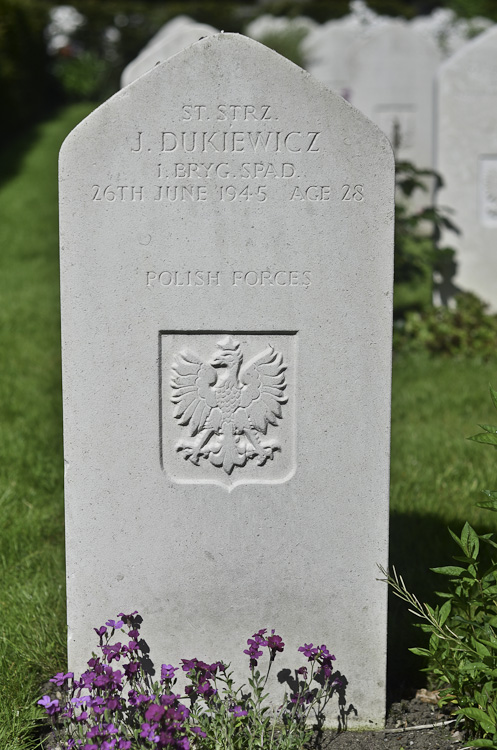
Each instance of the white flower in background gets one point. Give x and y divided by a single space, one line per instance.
362 14
112 35
64 21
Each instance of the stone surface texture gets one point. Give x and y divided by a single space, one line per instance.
226 261
467 160
172 38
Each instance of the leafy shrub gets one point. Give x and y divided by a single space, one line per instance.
417 236
462 647
464 330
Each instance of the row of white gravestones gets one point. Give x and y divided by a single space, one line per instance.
467 159
388 73
226 261
441 115
172 38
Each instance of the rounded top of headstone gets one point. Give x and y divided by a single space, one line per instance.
235 69
475 63
174 37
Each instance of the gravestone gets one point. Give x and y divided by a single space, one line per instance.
226 261
467 160
393 85
172 38
330 55
330 50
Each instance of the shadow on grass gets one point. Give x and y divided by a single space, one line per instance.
417 543
13 153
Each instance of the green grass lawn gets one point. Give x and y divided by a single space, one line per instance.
436 473
32 626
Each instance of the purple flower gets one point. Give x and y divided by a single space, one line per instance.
238 711
148 732
50 706
127 617
100 631
275 643
167 672
253 651
115 625
60 678
143 698
197 730
112 652
80 700
154 712
131 669
302 671
124 745
308 650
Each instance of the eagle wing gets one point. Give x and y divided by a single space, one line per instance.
193 394
263 392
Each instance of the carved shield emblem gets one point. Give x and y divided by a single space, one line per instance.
228 407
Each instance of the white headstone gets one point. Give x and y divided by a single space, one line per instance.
330 50
393 84
226 259
330 55
467 161
174 37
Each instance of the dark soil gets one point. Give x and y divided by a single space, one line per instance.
401 733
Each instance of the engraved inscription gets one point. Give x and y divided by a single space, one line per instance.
353 192
488 191
230 154
227 406
251 278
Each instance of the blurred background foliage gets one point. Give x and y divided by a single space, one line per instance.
39 72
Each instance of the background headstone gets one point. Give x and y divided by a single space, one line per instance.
174 37
393 84
467 160
330 50
226 205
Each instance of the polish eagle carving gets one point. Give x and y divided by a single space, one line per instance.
227 406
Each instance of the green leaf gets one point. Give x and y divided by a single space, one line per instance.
465 533
456 539
484 437
480 717
449 570
481 743
474 543
481 649
464 559
420 651
493 395
488 505
488 427
444 612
